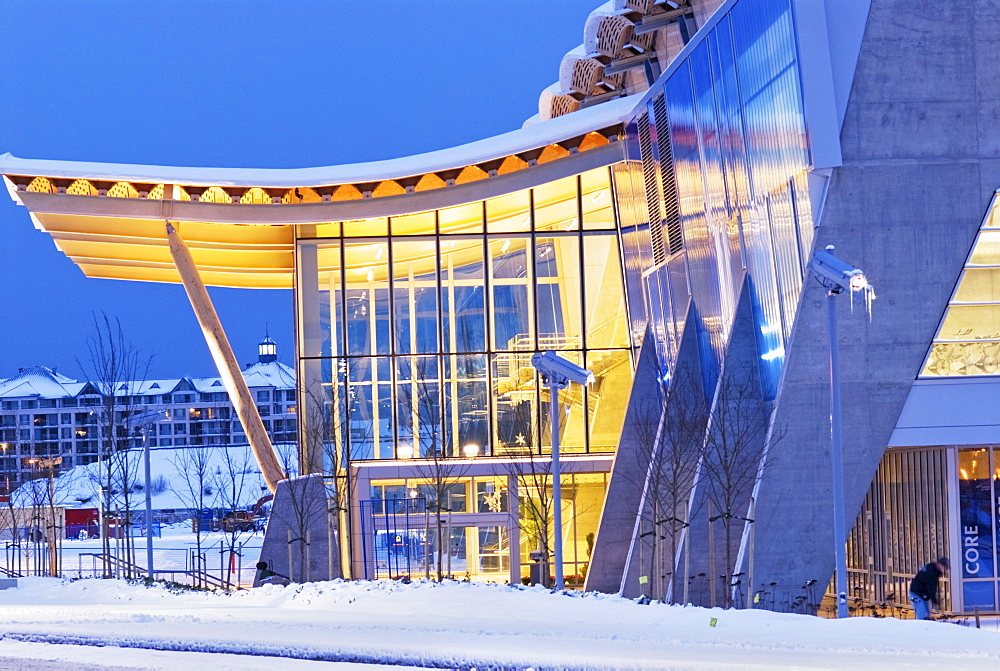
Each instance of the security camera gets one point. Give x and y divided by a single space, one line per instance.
834 274
559 370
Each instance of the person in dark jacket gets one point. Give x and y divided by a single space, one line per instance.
924 587
269 577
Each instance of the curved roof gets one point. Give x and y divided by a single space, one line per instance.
522 140
239 223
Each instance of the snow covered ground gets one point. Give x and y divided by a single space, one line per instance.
450 625
174 550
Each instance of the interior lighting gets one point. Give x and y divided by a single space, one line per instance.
404 451
471 450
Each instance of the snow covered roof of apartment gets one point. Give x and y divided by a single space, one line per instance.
42 382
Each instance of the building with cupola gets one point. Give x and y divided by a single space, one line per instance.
45 414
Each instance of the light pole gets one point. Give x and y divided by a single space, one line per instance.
145 421
557 373
149 503
837 276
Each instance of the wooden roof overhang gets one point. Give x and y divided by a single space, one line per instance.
244 236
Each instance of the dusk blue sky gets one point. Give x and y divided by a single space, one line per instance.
241 84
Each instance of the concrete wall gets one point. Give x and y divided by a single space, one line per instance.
921 158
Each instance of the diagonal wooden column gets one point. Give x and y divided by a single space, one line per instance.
225 361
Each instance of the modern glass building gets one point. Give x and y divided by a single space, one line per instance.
654 223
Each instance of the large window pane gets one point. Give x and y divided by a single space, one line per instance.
596 200
605 311
415 296
466 409
511 301
509 214
965 322
463 295
557 269
979 285
421 223
461 218
556 206
976 510
366 228
370 391
608 396
418 405
572 404
515 417
366 298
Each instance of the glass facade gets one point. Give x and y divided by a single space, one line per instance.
483 514
714 191
418 330
968 340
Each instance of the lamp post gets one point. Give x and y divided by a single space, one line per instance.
837 276
149 503
557 373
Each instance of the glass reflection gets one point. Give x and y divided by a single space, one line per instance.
406 325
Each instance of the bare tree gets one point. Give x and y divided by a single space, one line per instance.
195 489
532 475
421 414
670 438
234 483
118 370
327 420
732 456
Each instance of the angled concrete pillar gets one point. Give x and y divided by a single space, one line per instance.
609 557
225 361
734 442
300 541
920 165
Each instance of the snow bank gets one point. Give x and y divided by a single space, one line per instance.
472 625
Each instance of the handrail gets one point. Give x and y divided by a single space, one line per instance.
118 562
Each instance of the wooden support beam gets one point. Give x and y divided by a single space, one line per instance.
225 361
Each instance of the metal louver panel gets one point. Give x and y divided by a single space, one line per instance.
651 181
670 209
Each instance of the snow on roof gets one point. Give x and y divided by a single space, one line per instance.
505 144
36 381
79 487
271 374
42 382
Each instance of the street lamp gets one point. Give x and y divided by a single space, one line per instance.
557 373
837 277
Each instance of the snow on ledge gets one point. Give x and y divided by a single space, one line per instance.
506 144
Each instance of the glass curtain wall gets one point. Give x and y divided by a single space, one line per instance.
968 340
716 176
417 331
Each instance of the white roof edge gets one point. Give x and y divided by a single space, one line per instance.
523 139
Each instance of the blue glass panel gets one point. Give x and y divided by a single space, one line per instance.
979 593
740 155
975 505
